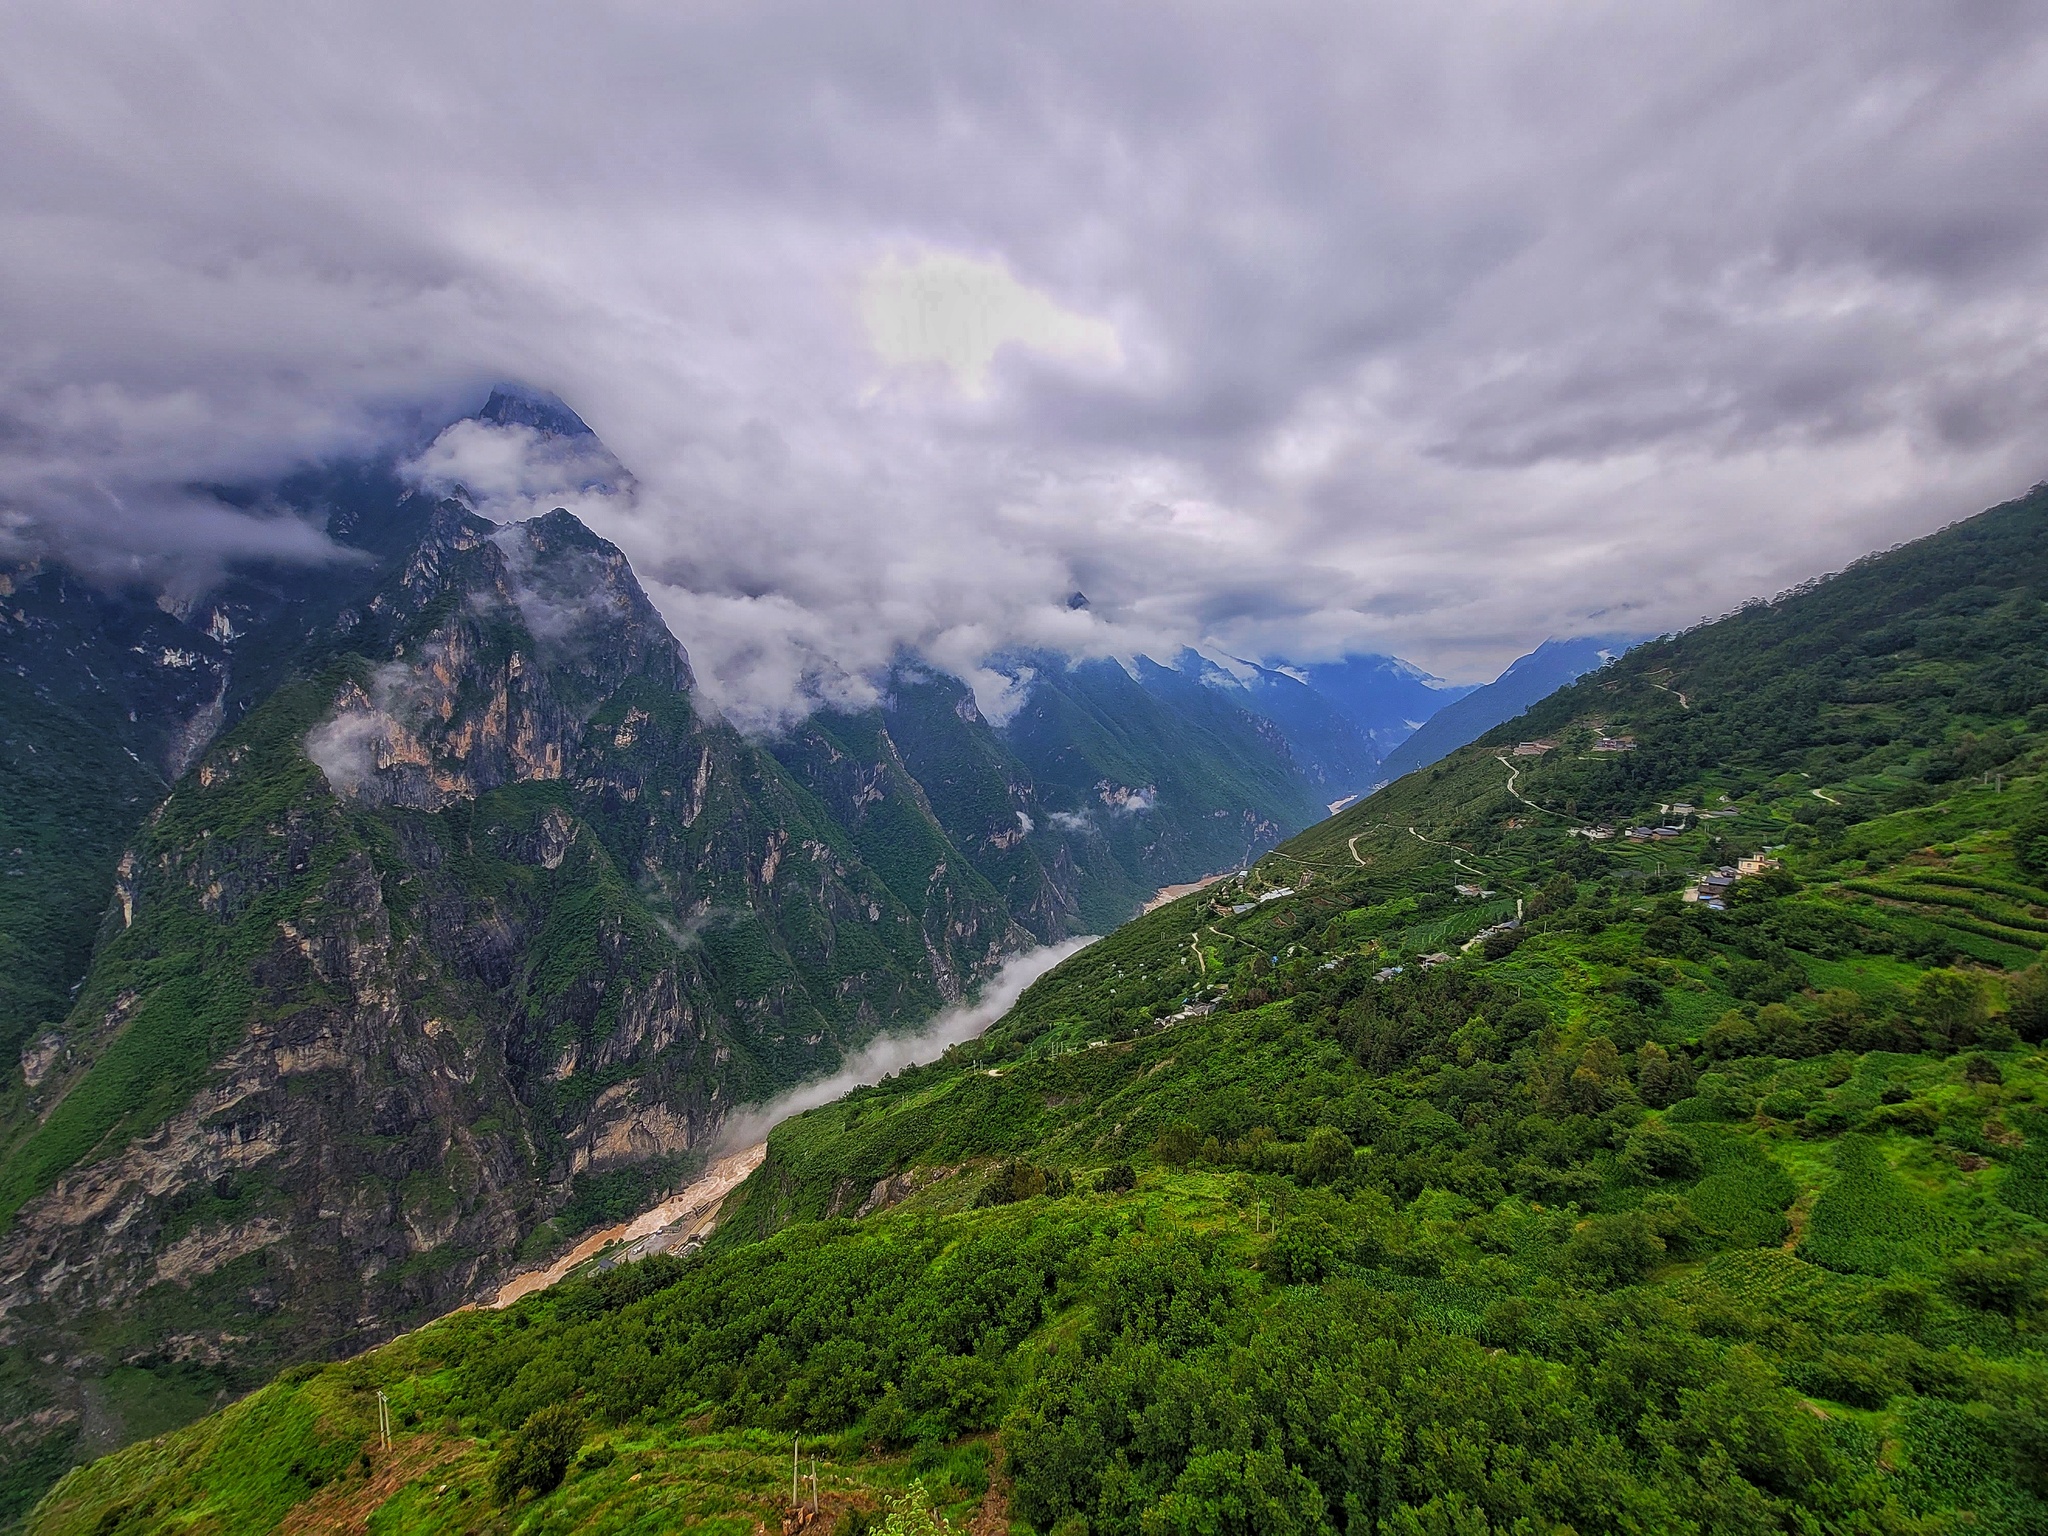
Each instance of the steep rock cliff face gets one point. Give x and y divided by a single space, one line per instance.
348 1130
854 767
436 923
105 699
441 948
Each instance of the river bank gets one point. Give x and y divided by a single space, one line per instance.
689 1213
1167 893
693 1211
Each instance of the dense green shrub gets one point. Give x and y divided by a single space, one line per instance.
1325 1155
1017 1180
1303 1251
1950 1005
1652 1152
1915 1117
2026 1004
2024 1184
1117 1178
537 1457
1744 1193
2030 841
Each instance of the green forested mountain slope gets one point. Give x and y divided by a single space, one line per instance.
1331 1200
451 948
97 692
989 805
1100 789
371 926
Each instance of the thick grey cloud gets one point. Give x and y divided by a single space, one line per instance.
1290 328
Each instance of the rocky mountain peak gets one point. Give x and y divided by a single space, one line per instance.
505 639
524 406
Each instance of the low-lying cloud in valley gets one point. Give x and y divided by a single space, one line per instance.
892 1053
1287 329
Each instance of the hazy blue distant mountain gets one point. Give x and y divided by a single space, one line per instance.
1153 775
1385 697
1542 672
1330 749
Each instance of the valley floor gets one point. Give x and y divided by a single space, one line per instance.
687 1215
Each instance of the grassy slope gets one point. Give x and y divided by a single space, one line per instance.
1640 1217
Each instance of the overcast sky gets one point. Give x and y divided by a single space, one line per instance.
1290 328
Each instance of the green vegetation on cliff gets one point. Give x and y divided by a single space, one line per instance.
1338 1198
368 929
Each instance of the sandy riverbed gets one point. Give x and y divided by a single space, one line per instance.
1167 893
688 1213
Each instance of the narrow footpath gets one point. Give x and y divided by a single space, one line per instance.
1455 851
1515 773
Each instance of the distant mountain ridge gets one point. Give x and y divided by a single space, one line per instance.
1384 696
1334 752
373 927
1460 1166
1335 721
1535 676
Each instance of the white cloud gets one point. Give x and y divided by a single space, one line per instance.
892 1053
1428 329
959 312
345 747
512 472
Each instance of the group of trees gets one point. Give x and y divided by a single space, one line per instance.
1431 1307
1637 1216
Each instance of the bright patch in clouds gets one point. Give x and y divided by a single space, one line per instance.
959 312
1430 330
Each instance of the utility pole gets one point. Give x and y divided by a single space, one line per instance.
795 1499
814 1485
384 1419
